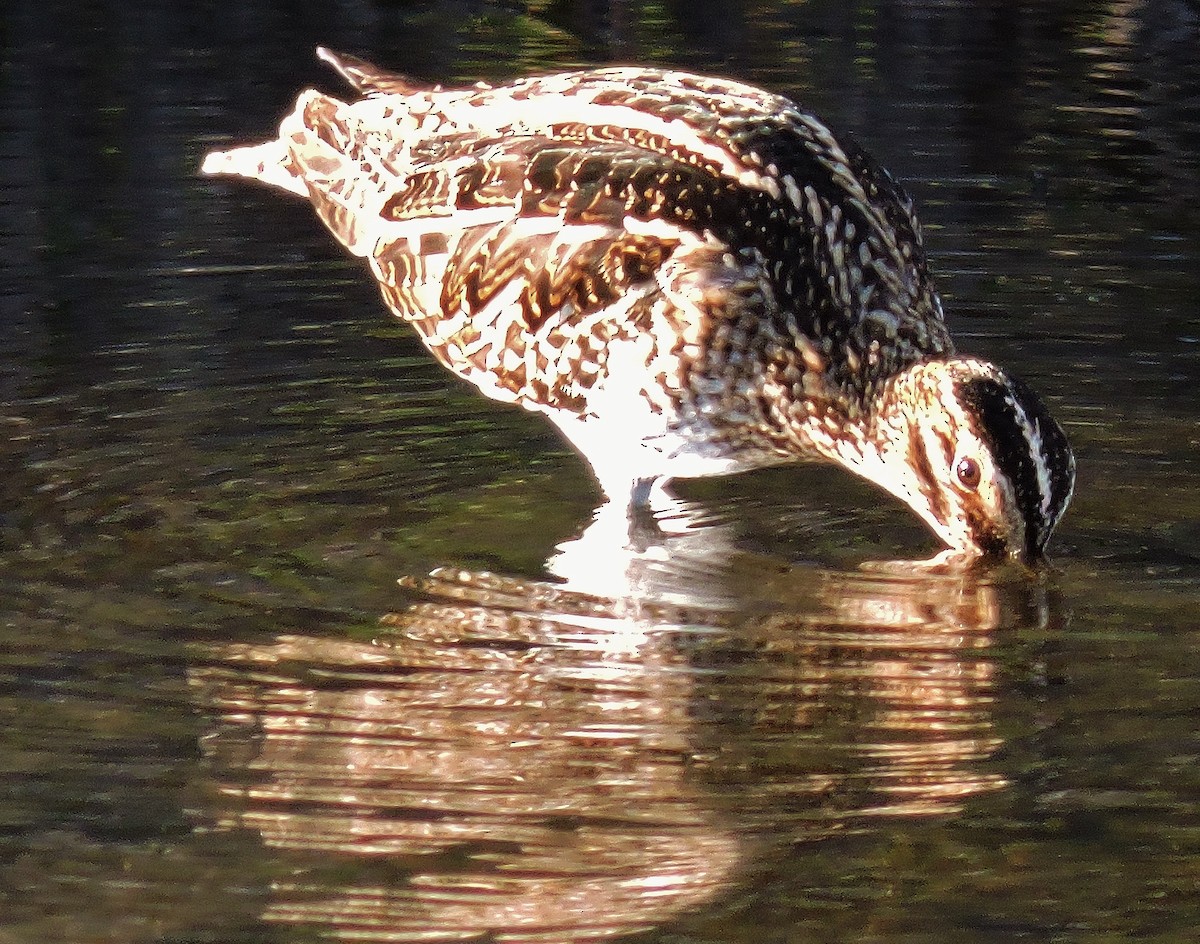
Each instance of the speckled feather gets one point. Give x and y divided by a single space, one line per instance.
523 229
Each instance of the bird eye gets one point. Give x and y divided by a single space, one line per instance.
968 473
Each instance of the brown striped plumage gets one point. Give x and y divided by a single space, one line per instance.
689 276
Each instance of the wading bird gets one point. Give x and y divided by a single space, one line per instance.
687 276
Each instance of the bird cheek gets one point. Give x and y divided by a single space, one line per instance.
1006 513
993 529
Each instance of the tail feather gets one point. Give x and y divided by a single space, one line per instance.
323 153
316 131
364 76
268 162
311 158
320 135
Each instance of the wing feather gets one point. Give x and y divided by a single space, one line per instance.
538 272
535 210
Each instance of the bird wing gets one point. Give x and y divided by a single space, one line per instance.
525 198
521 265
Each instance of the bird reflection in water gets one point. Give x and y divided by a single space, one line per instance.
521 760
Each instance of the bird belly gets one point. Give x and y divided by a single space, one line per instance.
629 446
631 430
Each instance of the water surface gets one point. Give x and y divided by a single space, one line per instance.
302 639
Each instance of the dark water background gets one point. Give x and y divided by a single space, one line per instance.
222 719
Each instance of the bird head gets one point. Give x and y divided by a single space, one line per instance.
974 452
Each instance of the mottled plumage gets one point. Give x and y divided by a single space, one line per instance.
689 276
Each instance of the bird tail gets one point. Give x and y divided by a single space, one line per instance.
317 119
319 154
268 163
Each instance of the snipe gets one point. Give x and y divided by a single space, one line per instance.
688 276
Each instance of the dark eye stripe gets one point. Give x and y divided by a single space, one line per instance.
918 459
1005 413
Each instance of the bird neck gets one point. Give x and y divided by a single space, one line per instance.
859 433
898 399
879 447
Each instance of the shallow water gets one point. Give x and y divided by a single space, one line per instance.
303 639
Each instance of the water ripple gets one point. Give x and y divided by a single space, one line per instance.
530 760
